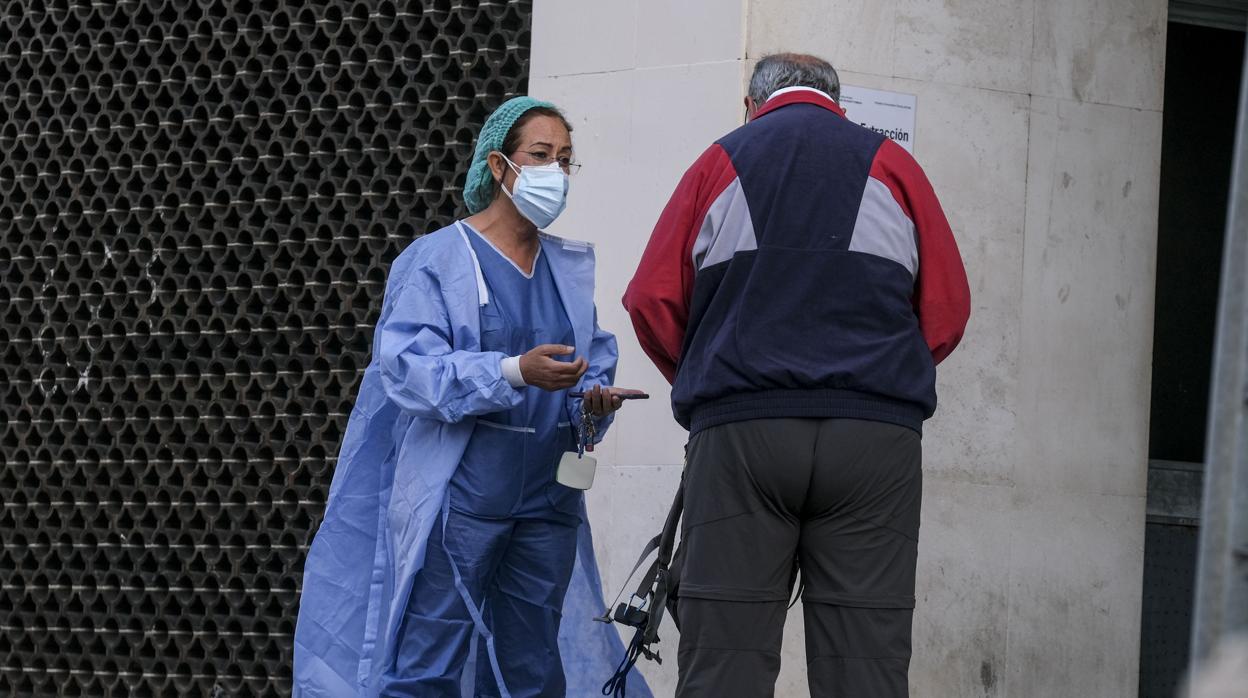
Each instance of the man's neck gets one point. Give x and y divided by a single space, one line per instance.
800 88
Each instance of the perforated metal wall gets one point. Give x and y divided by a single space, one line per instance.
199 200
1169 590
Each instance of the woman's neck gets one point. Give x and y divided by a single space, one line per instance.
514 235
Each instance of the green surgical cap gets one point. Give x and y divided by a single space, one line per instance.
479 187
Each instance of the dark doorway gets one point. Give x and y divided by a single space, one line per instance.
1203 72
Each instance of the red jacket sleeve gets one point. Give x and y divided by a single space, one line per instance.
657 299
942 297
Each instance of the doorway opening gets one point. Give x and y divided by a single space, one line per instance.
1204 65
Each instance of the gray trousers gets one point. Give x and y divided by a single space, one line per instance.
840 498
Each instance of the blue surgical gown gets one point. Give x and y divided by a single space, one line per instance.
429 383
510 528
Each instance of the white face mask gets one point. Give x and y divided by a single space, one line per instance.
541 192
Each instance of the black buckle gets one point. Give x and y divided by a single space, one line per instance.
632 616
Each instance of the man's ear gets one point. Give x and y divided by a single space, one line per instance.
750 107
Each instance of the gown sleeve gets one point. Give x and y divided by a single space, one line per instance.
420 370
604 354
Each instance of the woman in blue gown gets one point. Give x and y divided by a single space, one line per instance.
445 522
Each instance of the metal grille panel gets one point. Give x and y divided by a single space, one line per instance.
199 200
1169 583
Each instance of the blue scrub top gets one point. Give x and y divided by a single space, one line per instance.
508 469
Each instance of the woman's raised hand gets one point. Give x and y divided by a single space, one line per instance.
540 369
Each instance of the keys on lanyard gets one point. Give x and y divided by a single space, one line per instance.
585 433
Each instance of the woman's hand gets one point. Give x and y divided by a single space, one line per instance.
540 370
601 402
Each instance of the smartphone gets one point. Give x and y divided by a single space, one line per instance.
636 396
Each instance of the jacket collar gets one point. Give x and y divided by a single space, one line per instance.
785 97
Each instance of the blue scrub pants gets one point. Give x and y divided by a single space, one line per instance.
519 569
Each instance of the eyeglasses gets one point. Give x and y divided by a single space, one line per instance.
541 158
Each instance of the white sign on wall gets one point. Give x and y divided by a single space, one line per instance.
888 113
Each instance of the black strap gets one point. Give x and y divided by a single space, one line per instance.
667 543
667 540
618 683
648 579
650 547
653 591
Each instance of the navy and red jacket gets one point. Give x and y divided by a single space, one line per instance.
802 268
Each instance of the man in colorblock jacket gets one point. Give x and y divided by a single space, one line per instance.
798 290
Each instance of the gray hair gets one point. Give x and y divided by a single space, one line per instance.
781 70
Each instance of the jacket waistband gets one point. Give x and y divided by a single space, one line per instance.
816 404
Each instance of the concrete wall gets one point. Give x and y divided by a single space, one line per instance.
1039 123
